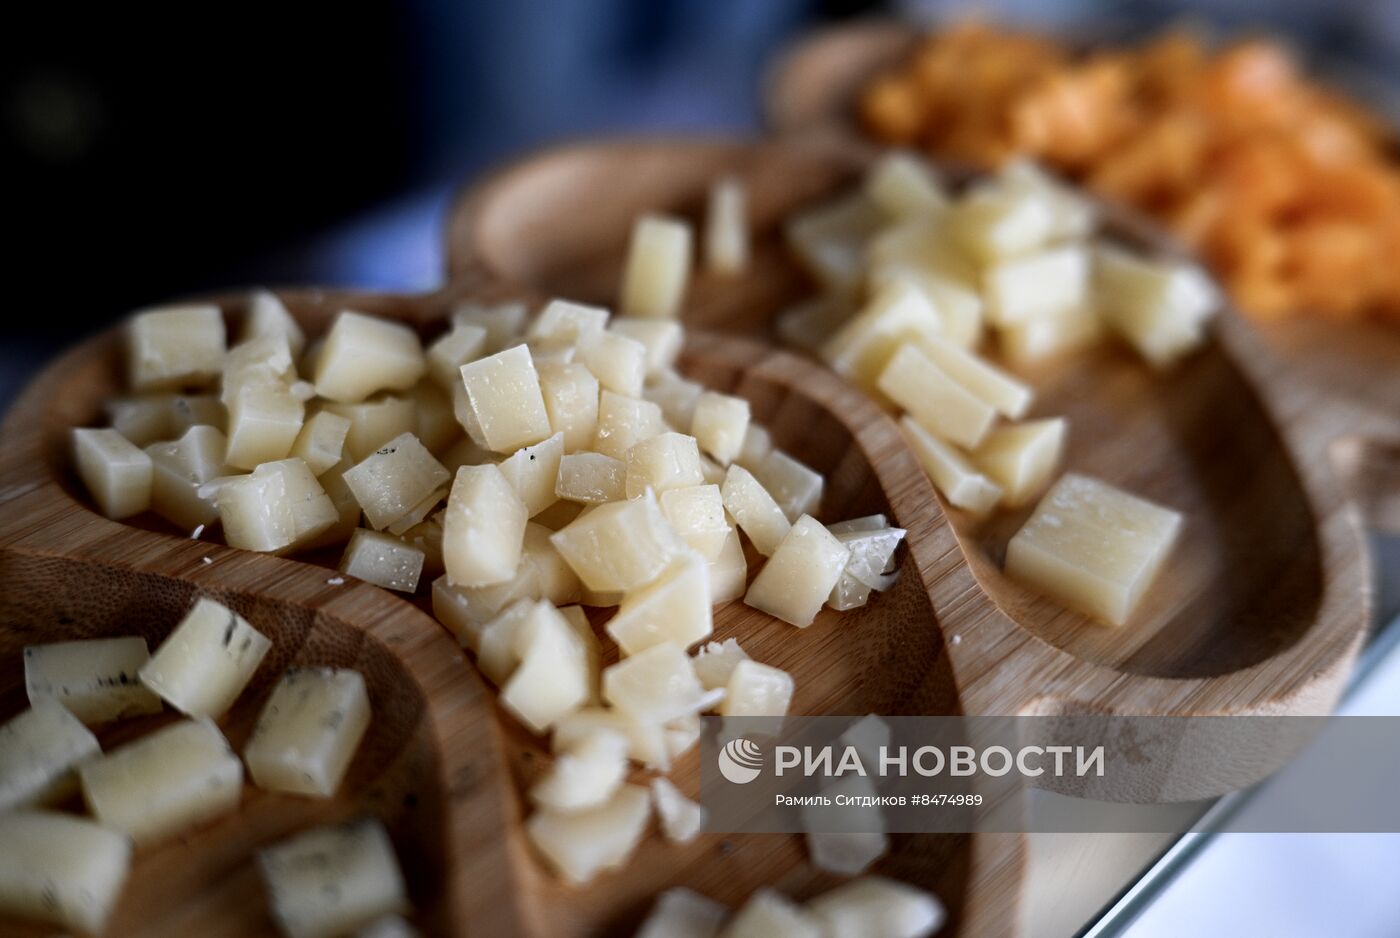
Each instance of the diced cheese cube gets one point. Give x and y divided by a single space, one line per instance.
193 410
861 350
364 354
329 881
619 545
585 775
681 818
1093 547
254 510
662 339
388 926
959 306
926 244
1072 215
570 394
483 528
758 443
308 731
658 684
553 677
726 227
903 185
178 346
799 576
533 471
796 487
1044 284
874 905
394 479
259 361
657 269
719 424
164 783
846 853
1049 337
39 749
619 363
504 391
179 469
681 913
729 571
374 422
646 740
462 343
564 323
267 315
1008 395
696 514
830 240
498 645
591 478
754 510
312 511
1022 457
204 664
583 844
436 424
60 869
263 423
950 471
757 690
666 461
142 419
715 661
674 608
770 914
321 442
116 473
994 223
934 399
1160 307
504 322
676 396
383 560
95 680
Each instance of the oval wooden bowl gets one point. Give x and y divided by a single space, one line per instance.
812 88
443 766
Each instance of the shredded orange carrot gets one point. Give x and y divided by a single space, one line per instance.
1290 192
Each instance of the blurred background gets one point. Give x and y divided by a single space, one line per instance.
155 152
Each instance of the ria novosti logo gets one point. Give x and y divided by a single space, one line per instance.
740 761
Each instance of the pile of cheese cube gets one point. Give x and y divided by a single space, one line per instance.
69 870
868 907
914 278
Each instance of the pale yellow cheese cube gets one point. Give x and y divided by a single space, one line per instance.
950 471
504 322
554 677
715 662
662 339
657 268
1046 283
582 844
311 509
1045 338
585 775
308 731
799 576
646 740
193 410
570 394
394 479
934 399
993 223
258 361
903 185
95 680
754 510
1006 394
927 244
1072 215
1159 306
591 478
60 869
363 354
810 324
676 396
436 424
466 416
504 391
533 471
563 323
498 646
263 423
681 818
719 424
179 469
680 912
1093 547
861 350
142 419
958 305
254 510
39 751
331 880
830 240
618 362
666 461
674 608
426 536
483 528
321 442
795 486
383 560
874 905
619 545
164 783
624 422
462 343
178 346
206 661
770 914
116 473
1022 457
696 514
757 690
758 443
374 422
388 926
726 227
656 684
267 315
